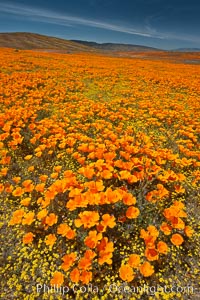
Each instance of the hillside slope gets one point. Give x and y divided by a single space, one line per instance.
32 41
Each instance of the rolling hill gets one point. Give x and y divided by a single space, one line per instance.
33 41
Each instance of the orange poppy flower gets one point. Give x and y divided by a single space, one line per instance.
105 257
31 126
54 175
104 245
75 275
18 192
50 194
146 269
84 263
75 192
92 239
153 231
133 178
27 182
162 247
150 242
87 171
126 273
129 199
178 204
28 238
124 174
151 196
57 168
17 217
134 260
181 177
28 157
71 205
28 186
40 187
151 254
125 155
162 191
108 221
95 186
89 254
42 214
8 188
68 174
177 239
83 147
188 231
7 126
70 234
38 154
68 261
109 156
112 196
58 279
174 211
50 239
106 174
1 187
51 219
87 219
28 218
63 229
3 136
101 228
5 160
85 277
4 171
16 179
43 178
91 155
31 168
132 212
165 228
177 223
179 189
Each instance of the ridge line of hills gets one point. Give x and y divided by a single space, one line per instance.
116 46
34 41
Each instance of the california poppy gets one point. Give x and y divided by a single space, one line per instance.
146 269
58 279
177 239
28 238
126 273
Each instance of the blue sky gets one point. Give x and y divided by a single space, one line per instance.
165 24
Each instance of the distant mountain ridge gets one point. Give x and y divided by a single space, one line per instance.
116 46
187 50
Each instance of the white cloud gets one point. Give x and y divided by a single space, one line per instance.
166 35
48 16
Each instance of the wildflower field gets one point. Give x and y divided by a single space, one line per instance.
99 176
